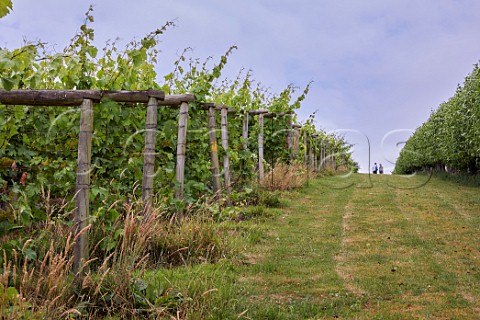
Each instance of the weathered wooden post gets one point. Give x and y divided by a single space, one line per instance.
322 153
261 169
244 142
325 160
305 154
272 116
290 137
212 133
311 163
305 151
181 148
245 132
296 140
226 160
82 196
319 164
327 151
149 154
315 162
332 154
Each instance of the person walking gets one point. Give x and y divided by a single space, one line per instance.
380 169
375 168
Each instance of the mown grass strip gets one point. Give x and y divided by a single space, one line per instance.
357 247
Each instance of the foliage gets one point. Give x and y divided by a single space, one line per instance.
50 159
43 141
5 7
450 137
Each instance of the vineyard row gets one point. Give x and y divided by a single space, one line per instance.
154 99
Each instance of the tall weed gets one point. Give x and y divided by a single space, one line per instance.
286 177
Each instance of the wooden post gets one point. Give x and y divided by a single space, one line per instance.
310 155
226 161
296 140
322 154
327 150
305 155
245 132
82 212
261 170
305 142
181 148
272 155
149 154
244 142
212 132
290 137
334 161
319 156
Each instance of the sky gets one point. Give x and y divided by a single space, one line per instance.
379 66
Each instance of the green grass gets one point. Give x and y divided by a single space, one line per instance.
387 247
348 247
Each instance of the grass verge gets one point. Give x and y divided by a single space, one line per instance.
366 247
348 247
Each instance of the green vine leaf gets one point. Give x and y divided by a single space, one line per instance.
6 7
8 83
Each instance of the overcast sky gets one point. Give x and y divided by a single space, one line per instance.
379 66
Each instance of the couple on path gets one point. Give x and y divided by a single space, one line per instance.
377 169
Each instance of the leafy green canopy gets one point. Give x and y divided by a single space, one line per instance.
451 136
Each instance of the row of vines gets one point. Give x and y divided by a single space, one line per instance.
450 139
40 144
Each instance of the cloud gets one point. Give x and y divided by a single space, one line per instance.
55 21
378 65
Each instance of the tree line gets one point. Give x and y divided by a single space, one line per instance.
450 139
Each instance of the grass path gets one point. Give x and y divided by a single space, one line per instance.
384 248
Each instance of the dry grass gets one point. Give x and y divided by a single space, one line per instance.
286 177
42 287
46 287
